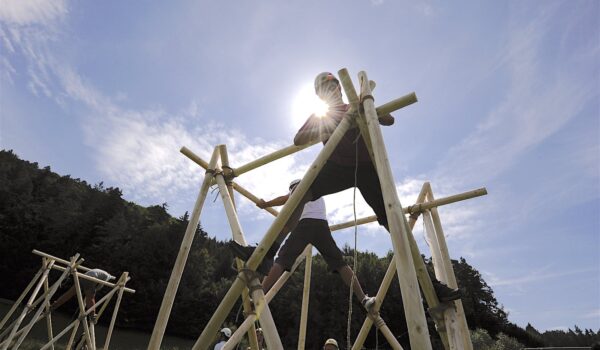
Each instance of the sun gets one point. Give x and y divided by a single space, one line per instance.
306 103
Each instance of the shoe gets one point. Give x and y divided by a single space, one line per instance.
445 293
244 253
368 303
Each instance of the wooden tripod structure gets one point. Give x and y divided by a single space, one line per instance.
407 262
12 336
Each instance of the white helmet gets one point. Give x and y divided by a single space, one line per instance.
226 332
294 183
331 341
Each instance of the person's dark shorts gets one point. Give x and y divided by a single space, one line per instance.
87 287
334 178
317 233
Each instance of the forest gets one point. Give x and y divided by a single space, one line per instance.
60 215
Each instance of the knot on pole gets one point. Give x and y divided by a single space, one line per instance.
227 173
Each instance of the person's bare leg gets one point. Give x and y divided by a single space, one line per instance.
274 274
347 274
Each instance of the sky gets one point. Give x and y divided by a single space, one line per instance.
508 95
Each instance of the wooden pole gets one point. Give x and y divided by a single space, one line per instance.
396 104
186 244
387 281
82 312
387 333
47 309
104 300
58 260
263 312
21 297
113 319
462 326
238 236
27 308
417 208
270 158
271 234
53 290
305 300
415 316
237 336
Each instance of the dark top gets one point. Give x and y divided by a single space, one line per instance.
345 152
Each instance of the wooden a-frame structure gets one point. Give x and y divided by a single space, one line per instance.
13 336
412 273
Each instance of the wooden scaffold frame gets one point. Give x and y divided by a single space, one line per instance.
13 336
448 317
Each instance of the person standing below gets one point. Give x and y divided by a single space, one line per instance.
330 344
312 228
224 335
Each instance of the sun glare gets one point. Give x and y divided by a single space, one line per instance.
306 103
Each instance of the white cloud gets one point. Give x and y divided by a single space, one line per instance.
27 12
532 276
593 314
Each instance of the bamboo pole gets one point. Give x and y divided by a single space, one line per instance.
82 312
462 326
57 259
49 317
27 308
236 337
415 316
75 323
271 157
21 297
47 297
387 281
93 279
387 333
305 301
186 244
417 208
113 319
238 236
263 312
252 198
272 233
396 104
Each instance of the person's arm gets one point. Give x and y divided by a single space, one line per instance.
310 131
273 202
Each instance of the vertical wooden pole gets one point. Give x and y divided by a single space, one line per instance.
422 274
238 236
186 244
305 300
462 326
415 315
113 319
264 314
27 308
236 289
82 315
47 310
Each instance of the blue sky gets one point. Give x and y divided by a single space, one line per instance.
508 99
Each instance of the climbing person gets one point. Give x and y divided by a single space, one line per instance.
224 335
330 344
349 166
88 289
312 228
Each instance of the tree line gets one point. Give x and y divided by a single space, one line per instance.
59 215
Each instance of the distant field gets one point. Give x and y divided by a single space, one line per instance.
120 340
